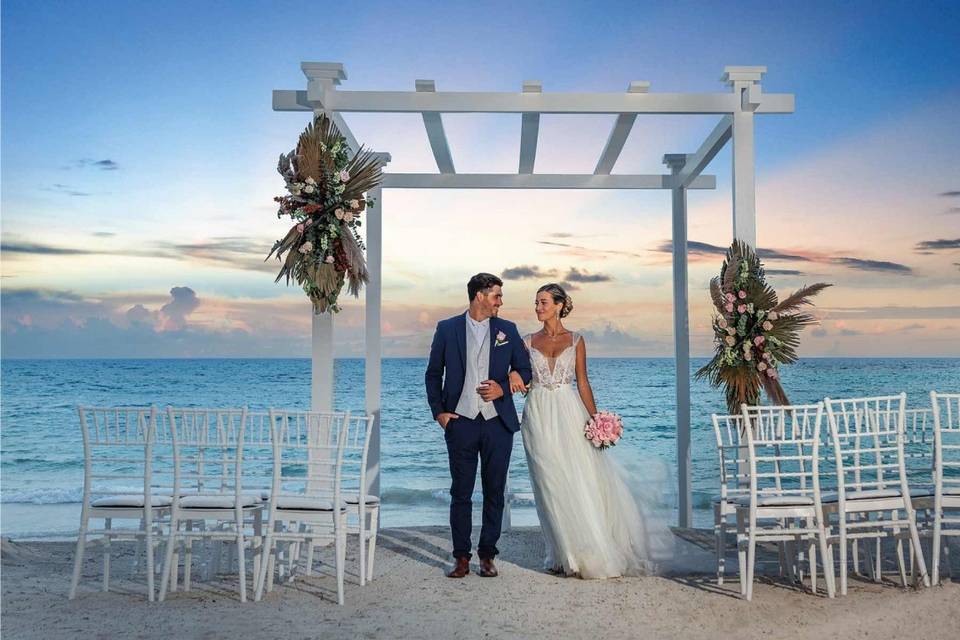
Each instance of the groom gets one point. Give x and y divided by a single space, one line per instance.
468 390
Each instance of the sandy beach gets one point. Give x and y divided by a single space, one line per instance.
410 598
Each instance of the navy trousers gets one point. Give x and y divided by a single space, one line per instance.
490 442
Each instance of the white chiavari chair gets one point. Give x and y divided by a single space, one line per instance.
945 502
734 481
118 455
784 503
872 497
306 498
210 501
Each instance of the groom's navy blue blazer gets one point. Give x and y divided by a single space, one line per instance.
447 367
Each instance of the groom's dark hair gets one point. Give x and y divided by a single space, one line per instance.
482 282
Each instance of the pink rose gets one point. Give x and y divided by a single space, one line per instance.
742 308
731 297
728 307
773 315
730 340
759 340
741 294
772 373
344 175
747 356
761 366
722 323
767 325
308 222
300 228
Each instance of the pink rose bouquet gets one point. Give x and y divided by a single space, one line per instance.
604 429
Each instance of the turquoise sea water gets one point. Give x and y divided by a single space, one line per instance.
42 457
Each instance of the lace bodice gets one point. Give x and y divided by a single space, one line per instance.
553 373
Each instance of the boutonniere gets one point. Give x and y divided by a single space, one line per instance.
501 339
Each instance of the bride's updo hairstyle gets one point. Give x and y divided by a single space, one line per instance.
559 297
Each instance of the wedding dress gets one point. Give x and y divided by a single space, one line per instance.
593 525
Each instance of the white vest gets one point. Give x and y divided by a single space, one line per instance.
476 370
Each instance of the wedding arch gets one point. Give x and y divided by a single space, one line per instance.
736 109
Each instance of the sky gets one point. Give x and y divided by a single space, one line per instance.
139 153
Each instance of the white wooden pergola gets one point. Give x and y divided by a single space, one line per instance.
736 109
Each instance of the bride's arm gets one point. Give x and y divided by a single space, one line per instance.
583 383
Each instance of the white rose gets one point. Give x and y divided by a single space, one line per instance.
348 216
354 204
773 315
339 213
295 190
310 180
308 189
306 247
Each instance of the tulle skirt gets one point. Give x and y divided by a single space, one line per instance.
594 525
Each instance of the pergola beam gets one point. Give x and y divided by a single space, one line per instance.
536 181
698 161
553 103
435 133
618 135
529 130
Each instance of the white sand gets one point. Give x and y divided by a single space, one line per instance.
411 598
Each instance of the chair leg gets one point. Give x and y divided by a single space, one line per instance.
169 568
241 564
78 560
935 551
812 554
742 554
148 541
878 562
108 524
901 563
361 549
188 558
915 537
341 548
843 556
827 555
374 525
751 560
265 563
718 533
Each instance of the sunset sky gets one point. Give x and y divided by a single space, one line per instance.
139 156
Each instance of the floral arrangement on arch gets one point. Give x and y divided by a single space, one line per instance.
754 332
326 194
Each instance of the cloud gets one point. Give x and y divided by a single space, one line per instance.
527 271
697 249
872 265
65 190
950 194
139 314
576 275
42 249
957 265
951 210
580 251
103 234
819 332
610 339
176 311
893 312
937 245
104 165
783 272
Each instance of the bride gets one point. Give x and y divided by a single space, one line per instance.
593 525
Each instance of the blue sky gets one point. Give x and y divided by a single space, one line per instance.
139 150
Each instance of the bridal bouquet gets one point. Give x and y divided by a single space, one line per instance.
754 331
326 189
604 429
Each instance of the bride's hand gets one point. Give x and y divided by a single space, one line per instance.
516 383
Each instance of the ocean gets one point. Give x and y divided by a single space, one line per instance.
42 457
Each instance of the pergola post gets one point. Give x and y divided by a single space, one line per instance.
745 82
681 340
372 329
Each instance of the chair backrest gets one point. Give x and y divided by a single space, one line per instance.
308 454
208 446
783 449
918 446
258 453
118 451
356 448
868 437
946 419
732 454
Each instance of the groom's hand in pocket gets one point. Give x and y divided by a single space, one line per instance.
490 390
444 419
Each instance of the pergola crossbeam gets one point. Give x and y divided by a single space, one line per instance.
618 135
435 133
529 130
536 181
552 103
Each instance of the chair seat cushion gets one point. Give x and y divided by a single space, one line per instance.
776 501
129 501
218 501
355 499
305 503
868 494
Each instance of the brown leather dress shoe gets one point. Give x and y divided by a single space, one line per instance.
460 569
487 568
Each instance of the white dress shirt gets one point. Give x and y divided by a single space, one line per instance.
476 370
